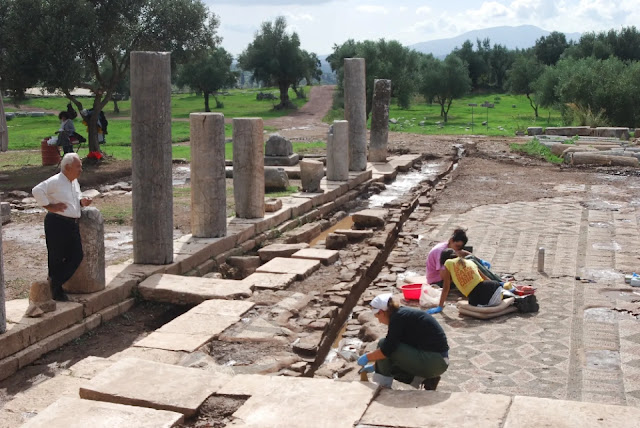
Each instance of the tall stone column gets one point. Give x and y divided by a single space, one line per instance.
380 120
248 167
4 131
90 276
338 151
355 111
3 311
208 185
151 157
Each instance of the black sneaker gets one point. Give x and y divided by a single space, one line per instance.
431 384
527 304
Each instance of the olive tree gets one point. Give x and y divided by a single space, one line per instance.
444 81
70 41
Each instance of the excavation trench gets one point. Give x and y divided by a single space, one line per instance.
401 198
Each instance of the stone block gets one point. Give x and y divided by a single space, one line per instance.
272 205
530 412
311 173
355 235
277 145
534 130
117 290
275 179
37 398
299 398
269 281
612 132
244 262
241 231
90 275
190 290
290 160
431 408
326 257
300 267
303 234
336 241
298 206
76 413
357 178
257 330
370 218
154 385
5 212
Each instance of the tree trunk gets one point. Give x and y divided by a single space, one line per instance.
116 109
284 96
206 102
534 106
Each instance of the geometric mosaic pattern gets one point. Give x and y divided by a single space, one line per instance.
577 347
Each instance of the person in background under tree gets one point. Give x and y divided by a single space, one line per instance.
415 350
60 195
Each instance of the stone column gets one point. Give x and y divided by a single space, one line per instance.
3 313
380 120
4 132
90 276
151 157
338 151
355 111
248 167
208 185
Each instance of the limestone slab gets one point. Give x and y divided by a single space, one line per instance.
280 250
326 257
257 330
39 397
543 412
271 281
370 217
424 408
279 401
190 290
77 413
154 385
300 267
193 329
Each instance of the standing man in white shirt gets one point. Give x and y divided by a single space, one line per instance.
60 195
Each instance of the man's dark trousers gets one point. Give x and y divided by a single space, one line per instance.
65 249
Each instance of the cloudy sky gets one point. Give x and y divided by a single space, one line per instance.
323 23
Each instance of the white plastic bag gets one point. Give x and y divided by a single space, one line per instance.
53 141
430 296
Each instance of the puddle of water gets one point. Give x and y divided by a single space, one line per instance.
404 183
345 223
610 246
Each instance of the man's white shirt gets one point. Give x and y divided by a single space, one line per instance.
56 189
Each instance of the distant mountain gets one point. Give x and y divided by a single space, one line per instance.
328 76
523 36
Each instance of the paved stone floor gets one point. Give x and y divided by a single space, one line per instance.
582 345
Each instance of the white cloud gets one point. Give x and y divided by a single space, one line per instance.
423 10
373 9
296 17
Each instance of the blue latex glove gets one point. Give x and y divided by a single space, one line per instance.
363 360
435 310
369 368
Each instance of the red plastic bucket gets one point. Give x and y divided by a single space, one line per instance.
412 291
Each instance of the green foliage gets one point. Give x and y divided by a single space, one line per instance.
548 49
522 77
208 74
279 194
623 44
487 65
601 90
384 60
65 57
275 57
583 116
443 81
534 148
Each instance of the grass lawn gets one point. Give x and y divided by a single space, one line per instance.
504 115
237 103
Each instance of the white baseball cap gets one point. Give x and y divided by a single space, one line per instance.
380 302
